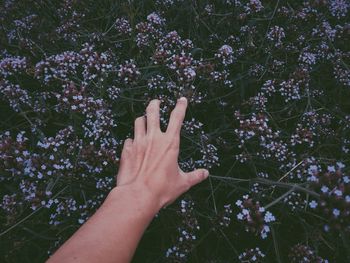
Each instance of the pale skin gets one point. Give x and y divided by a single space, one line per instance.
148 179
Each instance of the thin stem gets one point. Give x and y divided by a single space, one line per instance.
28 216
279 198
269 182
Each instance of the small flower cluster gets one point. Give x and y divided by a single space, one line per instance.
340 71
99 120
226 217
296 201
223 218
334 203
182 65
122 26
192 126
12 65
258 102
290 89
17 97
150 30
70 21
225 53
34 172
339 8
253 6
276 35
187 233
209 153
168 3
302 253
156 82
128 72
10 203
87 63
254 216
253 255
256 125
311 127
22 32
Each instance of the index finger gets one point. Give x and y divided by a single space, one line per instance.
177 116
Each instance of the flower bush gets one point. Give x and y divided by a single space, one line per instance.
269 115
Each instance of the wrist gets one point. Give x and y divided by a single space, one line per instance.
140 195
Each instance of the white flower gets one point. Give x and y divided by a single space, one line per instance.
226 50
239 203
307 58
313 204
324 189
331 169
312 178
40 175
326 228
155 19
340 165
264 231
313 169
347 198
338 192
336 212
269 217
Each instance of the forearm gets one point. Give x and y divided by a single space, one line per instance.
113 232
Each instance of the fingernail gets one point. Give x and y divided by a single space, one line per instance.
206 173
182 99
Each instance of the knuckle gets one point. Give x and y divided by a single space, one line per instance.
127 142
128 149
126 152
188 184
127 145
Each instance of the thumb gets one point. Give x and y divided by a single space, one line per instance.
125 164
196 176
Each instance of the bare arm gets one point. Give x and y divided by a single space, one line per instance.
148 179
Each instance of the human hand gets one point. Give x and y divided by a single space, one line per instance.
149 162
